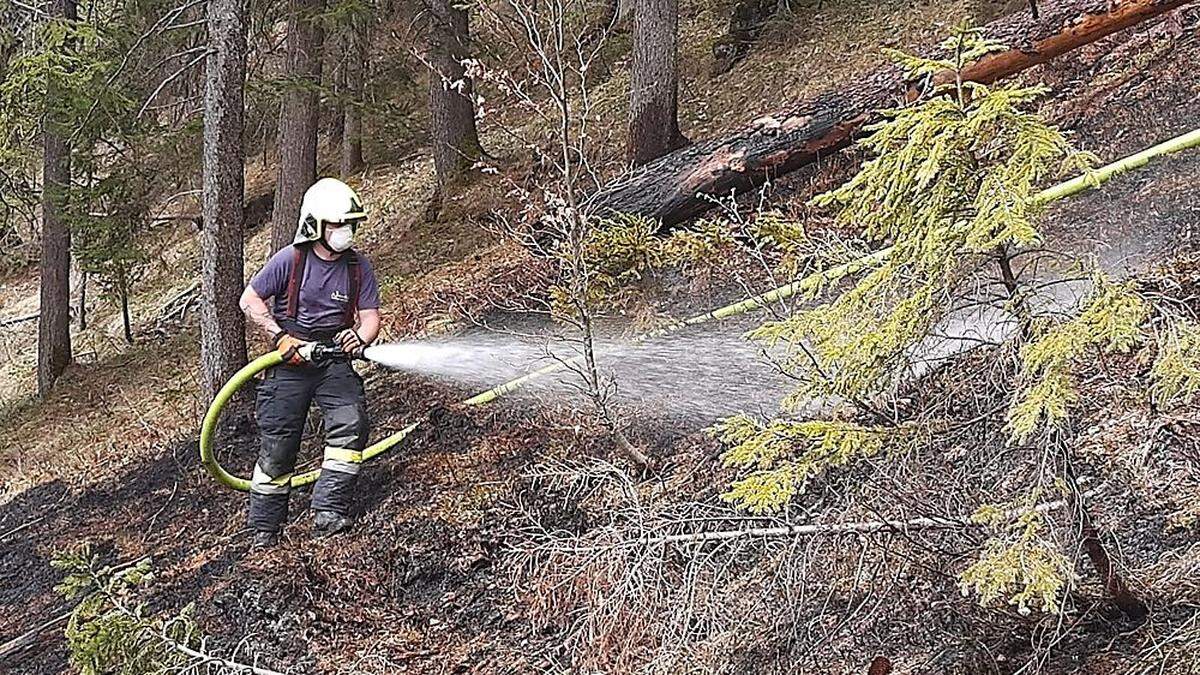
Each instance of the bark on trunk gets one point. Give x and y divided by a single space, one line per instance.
451 111
352 126
83 279
222 326
54 324
654 82
298 119
671 188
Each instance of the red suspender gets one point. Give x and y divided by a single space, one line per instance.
355 281
295 279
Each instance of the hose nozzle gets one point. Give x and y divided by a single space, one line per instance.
321 352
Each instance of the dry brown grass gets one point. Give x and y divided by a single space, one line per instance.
100 416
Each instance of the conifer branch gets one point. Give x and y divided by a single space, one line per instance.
162 636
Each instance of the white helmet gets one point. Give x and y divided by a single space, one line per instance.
328 200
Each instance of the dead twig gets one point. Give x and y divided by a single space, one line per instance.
29 638
12 321
811 529
35 521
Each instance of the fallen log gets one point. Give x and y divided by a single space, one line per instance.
680 185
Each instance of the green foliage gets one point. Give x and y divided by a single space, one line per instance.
1110 322
951 178
109 222
705 243
1176 370
109 631
964 46
60 76
799 251
86 81
785 455
342 13
624 253
1017 563
950 185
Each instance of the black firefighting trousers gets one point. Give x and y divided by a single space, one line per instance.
283 401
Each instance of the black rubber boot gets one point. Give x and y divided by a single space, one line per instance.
263 540
329 522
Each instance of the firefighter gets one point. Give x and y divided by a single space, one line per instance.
319 289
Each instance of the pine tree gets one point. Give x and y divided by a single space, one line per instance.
654 82
950 184
54 331
298 117
111 227
222 326
451 95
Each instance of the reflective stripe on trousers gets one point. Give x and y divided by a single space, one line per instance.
342 459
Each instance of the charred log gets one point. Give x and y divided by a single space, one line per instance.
675 187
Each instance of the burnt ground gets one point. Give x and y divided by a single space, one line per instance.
164 506
417 584
168 507
429 583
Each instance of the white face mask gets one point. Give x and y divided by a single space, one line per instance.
340 237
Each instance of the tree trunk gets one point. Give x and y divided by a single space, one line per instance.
451 110
222 326
54 324
654 82
352 129
335 84
298 119
83 301
123 289
674 188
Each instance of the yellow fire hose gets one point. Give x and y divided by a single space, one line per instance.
811 282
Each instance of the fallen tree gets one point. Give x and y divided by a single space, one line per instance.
680 185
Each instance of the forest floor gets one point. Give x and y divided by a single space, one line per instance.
440 575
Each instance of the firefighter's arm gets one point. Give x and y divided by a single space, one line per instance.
259 314
353 340
368 325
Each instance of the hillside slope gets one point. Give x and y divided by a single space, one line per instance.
448 571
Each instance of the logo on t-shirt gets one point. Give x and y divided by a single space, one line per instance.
340 296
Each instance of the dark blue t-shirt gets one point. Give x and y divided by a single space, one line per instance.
324 291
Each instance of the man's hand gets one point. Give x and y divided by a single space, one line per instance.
350 341
289 348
